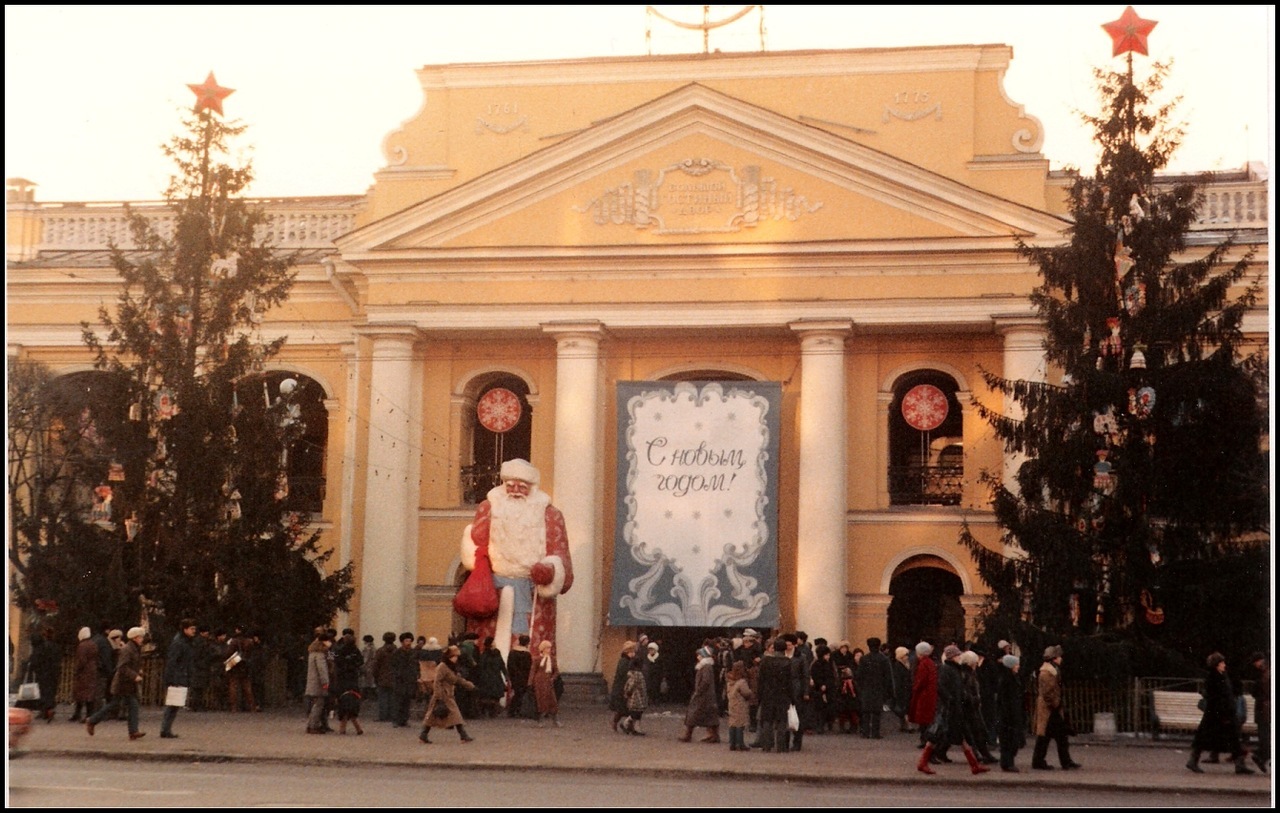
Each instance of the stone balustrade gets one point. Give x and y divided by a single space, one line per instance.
294 223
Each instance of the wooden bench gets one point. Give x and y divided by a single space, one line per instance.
1180 711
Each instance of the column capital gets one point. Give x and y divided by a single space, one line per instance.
390 332
585 328
1016 323
807 328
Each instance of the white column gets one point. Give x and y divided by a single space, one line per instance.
578 453
1024 360
388 569
821 546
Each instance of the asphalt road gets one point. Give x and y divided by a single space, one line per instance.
39 781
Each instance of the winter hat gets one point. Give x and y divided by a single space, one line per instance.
629 648
84 634
901 653
545 646
924 649
952 651
653 646
1214 659
1051 652
136 632
518 469
433 643
704 652
1010 661
750 633
1002 645
969 658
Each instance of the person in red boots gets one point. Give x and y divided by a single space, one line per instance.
951 724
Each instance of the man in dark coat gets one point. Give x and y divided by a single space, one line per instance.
404 679
1010 712
776 694
874 684
179 666
202 664
1219 730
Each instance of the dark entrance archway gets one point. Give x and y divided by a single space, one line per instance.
676 649
926 604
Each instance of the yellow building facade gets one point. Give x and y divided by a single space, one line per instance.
840 222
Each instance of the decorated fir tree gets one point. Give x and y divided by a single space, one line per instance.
1139 514
200 507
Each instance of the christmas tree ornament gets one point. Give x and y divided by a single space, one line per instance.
1112 345
115 472
1129 33
100 514
209 95
135 411
1124 262
1138 361
1153 614
1135 297
1103 479
1073 609
1136 212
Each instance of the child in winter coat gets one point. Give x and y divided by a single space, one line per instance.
847 703
635 694
740 698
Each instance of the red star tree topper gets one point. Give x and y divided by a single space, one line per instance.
1129 33
210 94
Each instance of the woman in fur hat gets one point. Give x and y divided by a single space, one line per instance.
443 711
543 682
617 702
704 709
84 690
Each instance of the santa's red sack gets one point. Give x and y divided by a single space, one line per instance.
477 598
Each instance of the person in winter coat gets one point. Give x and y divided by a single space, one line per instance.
900 672
1010 713
317 691
704 710
924 690
542 680
443 711
45 667
826 689
1050 724
776 694
124 685
1218 730
617 700
952 727
740 699
179 666
491 679
84 688
519 664
635 696
384 677
969 664
874 686
1262 708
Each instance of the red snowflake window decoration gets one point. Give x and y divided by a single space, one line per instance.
499 410
925 407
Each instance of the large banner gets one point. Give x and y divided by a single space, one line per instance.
697 509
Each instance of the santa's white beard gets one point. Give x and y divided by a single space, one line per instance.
517 532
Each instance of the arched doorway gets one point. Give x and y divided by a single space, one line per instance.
926 602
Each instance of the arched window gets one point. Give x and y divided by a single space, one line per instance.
501 430
926 440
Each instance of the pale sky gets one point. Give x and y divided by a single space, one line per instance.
91 92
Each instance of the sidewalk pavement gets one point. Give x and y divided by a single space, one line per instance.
586 743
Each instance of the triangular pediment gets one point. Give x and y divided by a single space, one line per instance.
697 166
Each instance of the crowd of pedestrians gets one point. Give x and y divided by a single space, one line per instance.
780 689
